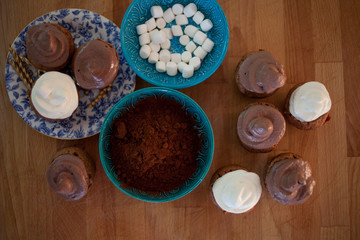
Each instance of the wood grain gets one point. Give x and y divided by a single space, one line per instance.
316 40
350 36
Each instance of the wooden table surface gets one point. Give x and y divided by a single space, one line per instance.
315 40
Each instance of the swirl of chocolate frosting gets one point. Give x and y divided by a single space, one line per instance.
49 46
260 126
95 64
289 179
260 73
67 176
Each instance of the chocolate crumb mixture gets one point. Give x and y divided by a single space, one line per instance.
154 145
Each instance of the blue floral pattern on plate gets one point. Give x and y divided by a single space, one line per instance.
86 121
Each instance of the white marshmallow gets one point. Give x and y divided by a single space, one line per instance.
181 19
176 30
153 57
208 45
171 68
184 39
156 11
199 37
151 24
190 46
165 56
169 15
141 29
176 57
145 51
160 23
190 30
188 71
155 47
195 62
168 32
198 17
152 32
181 66
158 37
190 10
160 66
186 56
144 39
206 25
166 44
178 9
200 52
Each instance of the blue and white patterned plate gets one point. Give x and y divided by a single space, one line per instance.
86 121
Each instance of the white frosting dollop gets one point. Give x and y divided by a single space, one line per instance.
237 191
54 95
309 101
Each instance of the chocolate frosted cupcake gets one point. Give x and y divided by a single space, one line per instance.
288 179
235 190
71 173
259 74
95 64
49 46
307 105
260 127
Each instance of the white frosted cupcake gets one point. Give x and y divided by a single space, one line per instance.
235 190
54 96
307 105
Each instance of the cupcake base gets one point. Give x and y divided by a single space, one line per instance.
91 77
256 150
218 174
278 158
242 89
78 152
303 125
302 194
68 36
222 171
71 173
48 119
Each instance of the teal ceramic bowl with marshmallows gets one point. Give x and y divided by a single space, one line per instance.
139 12
204 157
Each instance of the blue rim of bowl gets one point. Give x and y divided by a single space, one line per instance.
182 85
211 136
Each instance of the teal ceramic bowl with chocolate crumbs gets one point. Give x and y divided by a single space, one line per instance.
201 124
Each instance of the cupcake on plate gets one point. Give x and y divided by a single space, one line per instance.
260 127
235 190
95 64
288 179
54 96
307 105
71 173
259 74
49 46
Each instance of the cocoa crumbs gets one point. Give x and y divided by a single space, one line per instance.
154 145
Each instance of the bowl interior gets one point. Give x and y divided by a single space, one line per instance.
202 124
139 11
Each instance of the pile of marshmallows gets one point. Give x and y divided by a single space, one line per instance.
155 36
